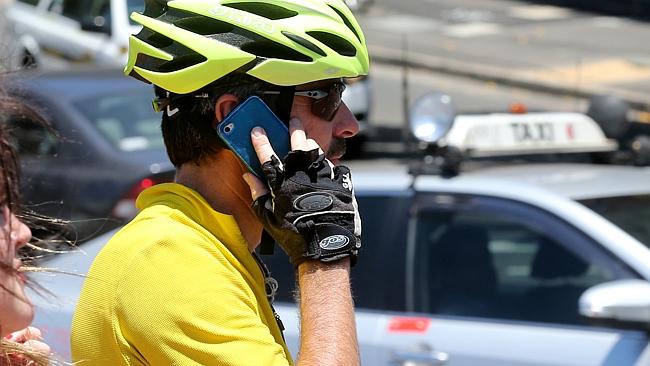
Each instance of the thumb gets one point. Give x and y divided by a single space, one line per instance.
257 187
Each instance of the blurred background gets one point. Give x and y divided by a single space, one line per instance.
578 226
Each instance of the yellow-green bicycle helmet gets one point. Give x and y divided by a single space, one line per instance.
188 44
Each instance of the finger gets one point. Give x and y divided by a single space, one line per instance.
298 136
299 140
23 335
312 144
33 333
38 346
261 144
256 186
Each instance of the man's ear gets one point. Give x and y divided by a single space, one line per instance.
224 105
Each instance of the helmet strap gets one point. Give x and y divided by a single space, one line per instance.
285 103
283 106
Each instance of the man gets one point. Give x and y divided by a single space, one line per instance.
180 284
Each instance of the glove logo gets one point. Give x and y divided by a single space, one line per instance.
313 202
334 242
347 182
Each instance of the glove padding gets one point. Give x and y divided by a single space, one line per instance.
311 211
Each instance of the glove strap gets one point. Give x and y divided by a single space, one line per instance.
332 242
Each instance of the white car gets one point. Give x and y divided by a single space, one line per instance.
93 31
19 49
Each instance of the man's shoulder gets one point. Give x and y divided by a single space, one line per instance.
162 226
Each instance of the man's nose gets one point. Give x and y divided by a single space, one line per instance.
345 123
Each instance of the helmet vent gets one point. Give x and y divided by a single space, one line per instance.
305 43
346 21
155 39
338 44
181 62
268 11
269 49
154 8
203 25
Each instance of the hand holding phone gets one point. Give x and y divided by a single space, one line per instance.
235 131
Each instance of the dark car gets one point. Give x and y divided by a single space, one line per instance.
103 147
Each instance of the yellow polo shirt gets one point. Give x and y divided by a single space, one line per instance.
176 286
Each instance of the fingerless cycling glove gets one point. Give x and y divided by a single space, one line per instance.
311 211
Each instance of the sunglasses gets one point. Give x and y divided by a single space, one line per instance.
326 101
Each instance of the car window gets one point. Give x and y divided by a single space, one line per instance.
491 258
32 139
378 277
126 119
80 10
630 213
72 9
100 8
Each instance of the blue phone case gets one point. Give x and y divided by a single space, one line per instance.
235 131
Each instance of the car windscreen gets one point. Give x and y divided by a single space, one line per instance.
126 119
134 5
630 213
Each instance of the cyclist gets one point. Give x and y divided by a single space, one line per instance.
181 283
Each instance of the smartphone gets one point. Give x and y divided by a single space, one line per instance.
235 131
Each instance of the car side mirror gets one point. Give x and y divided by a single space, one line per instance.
431 117
98 24
621 303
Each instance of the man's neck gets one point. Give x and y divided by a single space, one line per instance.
218 179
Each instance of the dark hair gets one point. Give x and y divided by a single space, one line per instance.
9 195
188 134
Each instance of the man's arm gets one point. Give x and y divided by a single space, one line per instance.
328 331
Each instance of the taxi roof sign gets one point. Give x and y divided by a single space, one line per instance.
502 134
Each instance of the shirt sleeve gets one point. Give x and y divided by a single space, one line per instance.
186 304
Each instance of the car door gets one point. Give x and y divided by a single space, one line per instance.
497 282
42 174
